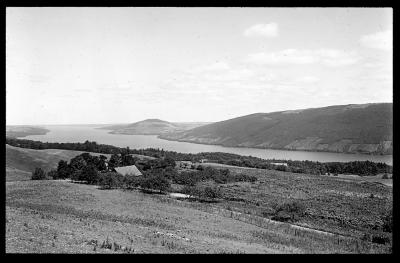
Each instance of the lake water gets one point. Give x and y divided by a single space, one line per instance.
81 133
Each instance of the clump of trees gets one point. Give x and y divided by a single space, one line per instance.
310 167
220 176
110 180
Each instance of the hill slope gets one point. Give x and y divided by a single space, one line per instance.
151 127
364 128
22 131
20 162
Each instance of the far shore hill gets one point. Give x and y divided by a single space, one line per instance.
152 127
17 131
353 128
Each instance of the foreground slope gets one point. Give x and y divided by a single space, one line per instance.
364 128
64 217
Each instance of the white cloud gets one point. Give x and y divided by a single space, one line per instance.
308 79
328 57
217 66
262 30
380 40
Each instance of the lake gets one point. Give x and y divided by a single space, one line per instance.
81 133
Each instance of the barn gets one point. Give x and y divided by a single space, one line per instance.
128 170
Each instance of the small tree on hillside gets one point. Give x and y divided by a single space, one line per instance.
155 182
89 174
38 174
53 174
63 170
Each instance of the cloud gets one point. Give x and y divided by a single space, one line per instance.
262 30
308 79
328 57
217 66
380 40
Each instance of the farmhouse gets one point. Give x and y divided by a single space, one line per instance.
128 170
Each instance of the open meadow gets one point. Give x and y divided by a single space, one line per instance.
59 216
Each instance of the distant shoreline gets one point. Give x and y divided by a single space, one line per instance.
271 148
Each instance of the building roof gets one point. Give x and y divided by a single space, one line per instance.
128 170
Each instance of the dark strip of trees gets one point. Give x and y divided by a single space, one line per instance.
311 167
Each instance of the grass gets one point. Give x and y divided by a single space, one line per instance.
63 217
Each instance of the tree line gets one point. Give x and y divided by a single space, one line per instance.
310 167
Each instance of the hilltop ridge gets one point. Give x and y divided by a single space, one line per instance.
353 128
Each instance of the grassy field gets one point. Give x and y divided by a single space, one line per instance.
64 217
351 207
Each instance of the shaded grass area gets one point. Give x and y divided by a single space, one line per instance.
236 225
344 207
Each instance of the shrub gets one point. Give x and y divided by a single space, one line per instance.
155 182
89 174
53 174
110 180
39 174
388 221
131 181
380 239
385 176
244 178
289 211
63 170
205 190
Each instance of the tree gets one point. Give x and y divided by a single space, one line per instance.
38 174
155 182
110 180
53 174
89 174
115 161
63 170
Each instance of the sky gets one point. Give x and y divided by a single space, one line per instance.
122 65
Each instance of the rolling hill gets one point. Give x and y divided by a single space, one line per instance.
354 128
17 131
21 162
151 127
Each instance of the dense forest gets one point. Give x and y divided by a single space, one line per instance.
311 167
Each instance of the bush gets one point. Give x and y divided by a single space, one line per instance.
39 174
63 170
110 180
131 181
244 178
380 239
155 182
89 174
385 176
205 190
388 221
289 211
53 174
